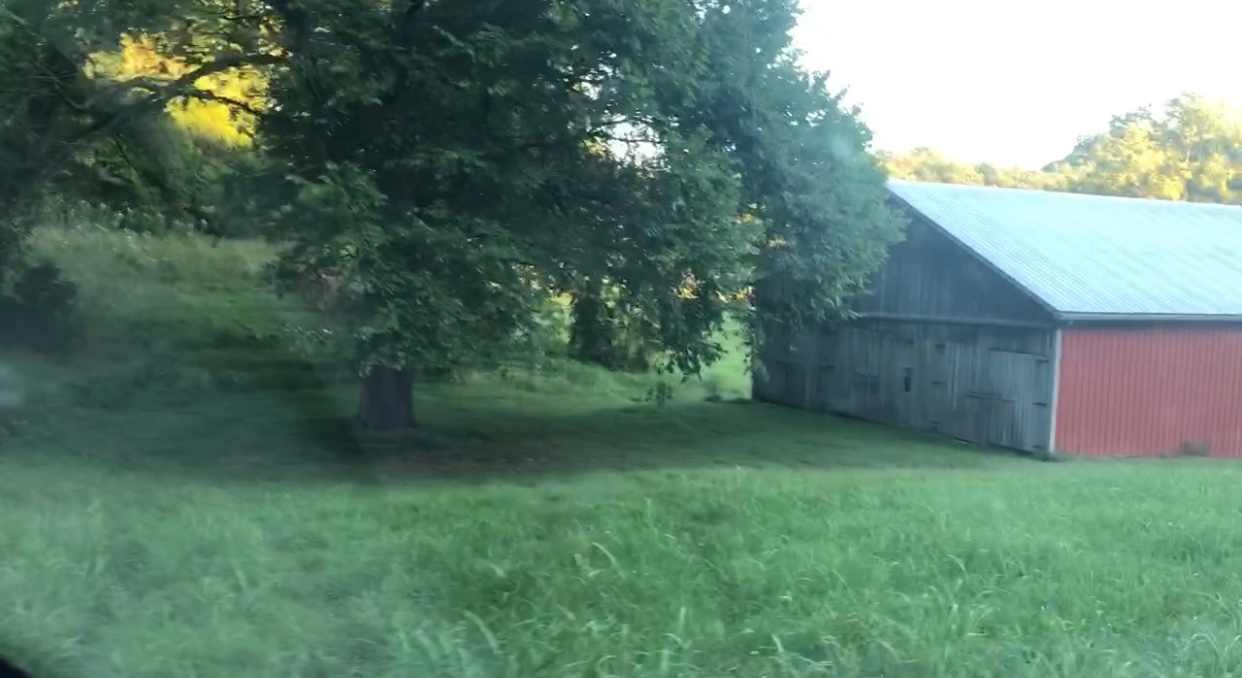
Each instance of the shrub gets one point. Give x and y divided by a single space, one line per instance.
37 312
712 387
607 335
661 393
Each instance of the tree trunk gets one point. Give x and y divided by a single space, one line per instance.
591 332
387 400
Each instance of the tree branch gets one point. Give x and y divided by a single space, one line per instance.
405 26
206 95
225 64
162 94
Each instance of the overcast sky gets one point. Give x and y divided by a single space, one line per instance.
1017 81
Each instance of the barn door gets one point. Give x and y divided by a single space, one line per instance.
1018 409
832 382
869 377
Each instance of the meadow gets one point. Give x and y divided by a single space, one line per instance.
182 496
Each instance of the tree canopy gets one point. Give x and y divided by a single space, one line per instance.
450 166
1191 150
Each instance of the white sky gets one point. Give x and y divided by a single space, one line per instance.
1017 82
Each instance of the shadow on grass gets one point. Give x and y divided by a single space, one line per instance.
682 436
486 433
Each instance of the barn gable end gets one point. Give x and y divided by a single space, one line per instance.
930 276
944 344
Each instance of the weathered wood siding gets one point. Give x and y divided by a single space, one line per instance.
931 276
987 385
945 344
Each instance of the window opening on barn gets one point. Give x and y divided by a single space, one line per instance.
907 379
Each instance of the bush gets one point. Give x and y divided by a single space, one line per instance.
37 312
606 335
712 387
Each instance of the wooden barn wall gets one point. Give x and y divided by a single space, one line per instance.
930 276
984 384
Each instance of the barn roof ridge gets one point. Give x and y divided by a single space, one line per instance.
1090 257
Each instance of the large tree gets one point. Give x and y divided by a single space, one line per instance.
667 157
450 165
453 164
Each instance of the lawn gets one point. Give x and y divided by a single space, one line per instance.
182 497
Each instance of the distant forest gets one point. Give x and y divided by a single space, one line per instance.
1191 150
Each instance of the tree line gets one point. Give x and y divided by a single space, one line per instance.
1190 150
452 166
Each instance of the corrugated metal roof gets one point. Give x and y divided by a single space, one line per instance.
1089 256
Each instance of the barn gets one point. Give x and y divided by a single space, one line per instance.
1039 321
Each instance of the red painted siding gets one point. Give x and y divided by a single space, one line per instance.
1150 391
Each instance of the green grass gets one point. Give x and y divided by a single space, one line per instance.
191 503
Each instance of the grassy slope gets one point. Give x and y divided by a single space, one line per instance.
181 499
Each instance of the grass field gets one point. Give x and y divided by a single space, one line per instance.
182 498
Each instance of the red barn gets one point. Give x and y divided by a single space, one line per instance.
1077 324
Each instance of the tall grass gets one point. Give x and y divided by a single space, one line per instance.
933 562
174 287
182 499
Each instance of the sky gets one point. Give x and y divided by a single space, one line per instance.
1017 82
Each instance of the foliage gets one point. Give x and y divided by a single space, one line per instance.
661 393
807 181
603 332
23 118
450 168
1190 151
926 164
810 199
1193 151
411 291
493 157
84 119
224 113
501 128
